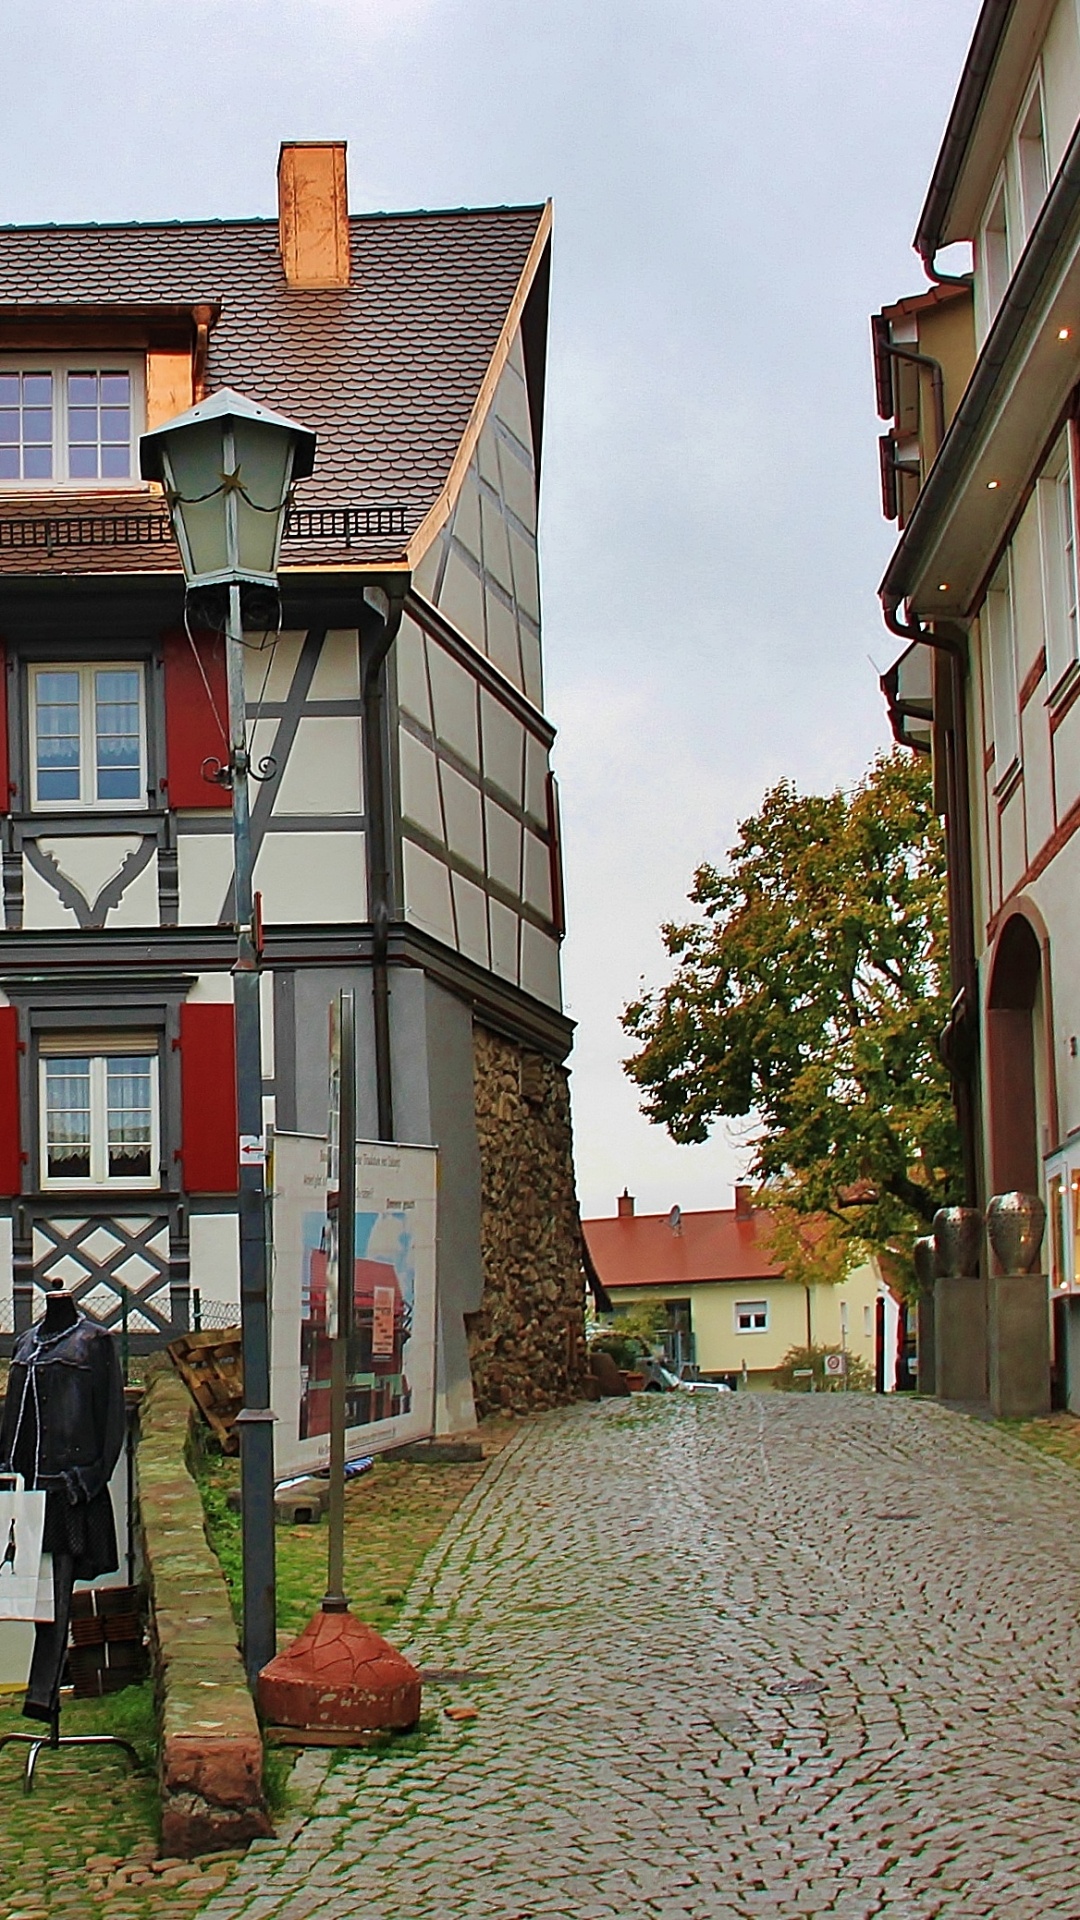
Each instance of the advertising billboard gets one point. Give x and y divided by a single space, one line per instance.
390 1369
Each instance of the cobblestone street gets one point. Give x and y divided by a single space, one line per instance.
763 1655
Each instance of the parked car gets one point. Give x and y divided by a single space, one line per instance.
659 1378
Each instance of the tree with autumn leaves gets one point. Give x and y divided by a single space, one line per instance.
807 997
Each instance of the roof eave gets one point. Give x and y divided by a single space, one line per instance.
979 65
443 505
1019 384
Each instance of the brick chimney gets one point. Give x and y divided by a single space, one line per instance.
626 1205
744 1203
313 213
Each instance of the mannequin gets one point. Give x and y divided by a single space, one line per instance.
60 1311
63 1431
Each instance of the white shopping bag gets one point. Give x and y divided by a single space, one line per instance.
45 1606
22 1526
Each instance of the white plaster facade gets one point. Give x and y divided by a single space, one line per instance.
986 578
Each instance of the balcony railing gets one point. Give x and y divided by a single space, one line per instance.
55 533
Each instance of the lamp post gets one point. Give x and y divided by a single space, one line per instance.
227 466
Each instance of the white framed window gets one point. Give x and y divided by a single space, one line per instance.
72 420
999 654
99 1112
88 735
751 1316
995 260
1057 549
1032 171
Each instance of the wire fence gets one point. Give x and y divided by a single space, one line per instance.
206 1316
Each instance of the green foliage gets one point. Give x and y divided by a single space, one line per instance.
809 996
859 1377
623 1348
819 1251
278 1763
633 1333
216 1477
392 1516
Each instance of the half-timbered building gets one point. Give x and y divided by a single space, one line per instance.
406 832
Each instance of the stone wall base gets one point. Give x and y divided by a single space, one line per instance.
211 1746
527 1342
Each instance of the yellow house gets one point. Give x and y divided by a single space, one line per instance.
729 1308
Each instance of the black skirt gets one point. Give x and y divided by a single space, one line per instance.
86 1531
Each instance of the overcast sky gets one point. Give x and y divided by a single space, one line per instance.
735 190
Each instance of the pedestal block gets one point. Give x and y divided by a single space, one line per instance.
1019 1343
960 1338
340 1677
926 1337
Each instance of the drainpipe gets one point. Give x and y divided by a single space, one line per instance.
945 279
994 17
937 381
373 692
959 1040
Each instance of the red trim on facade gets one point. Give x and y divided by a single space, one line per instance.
6 794
1032 677
209 1154
1022 904
194 731
1065 705
10 1144
1047 852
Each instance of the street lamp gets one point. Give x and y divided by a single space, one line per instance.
226 467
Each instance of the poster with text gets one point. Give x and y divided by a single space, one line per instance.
390 1372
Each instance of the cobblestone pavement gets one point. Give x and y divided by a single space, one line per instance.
757 1656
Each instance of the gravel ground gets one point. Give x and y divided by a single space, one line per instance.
759 1656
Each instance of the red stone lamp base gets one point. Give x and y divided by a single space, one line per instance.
339 1678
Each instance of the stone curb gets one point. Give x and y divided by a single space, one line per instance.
211 1747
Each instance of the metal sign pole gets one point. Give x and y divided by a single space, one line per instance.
255 1420
343 1067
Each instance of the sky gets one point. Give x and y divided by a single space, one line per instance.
735 188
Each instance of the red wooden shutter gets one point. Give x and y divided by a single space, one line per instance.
195 720
5 771
10 1153
209 1151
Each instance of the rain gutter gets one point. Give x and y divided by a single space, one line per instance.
373 690
1052 230
983 52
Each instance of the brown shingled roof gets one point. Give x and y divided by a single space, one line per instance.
387 370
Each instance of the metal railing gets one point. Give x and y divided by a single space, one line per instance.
52 533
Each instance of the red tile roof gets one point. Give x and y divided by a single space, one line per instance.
387 370
642 1250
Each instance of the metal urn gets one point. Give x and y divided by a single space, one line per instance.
958 1235
924 1256
1015 1223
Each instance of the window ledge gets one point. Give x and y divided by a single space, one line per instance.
1063 685
23 493
1008 783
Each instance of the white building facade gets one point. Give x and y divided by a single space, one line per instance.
984 586
406 829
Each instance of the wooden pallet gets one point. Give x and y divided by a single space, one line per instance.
210 1366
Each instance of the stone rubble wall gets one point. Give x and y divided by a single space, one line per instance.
211 1746
527 1342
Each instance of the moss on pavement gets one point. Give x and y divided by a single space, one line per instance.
85 1843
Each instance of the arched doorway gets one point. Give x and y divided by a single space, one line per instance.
1010 1047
